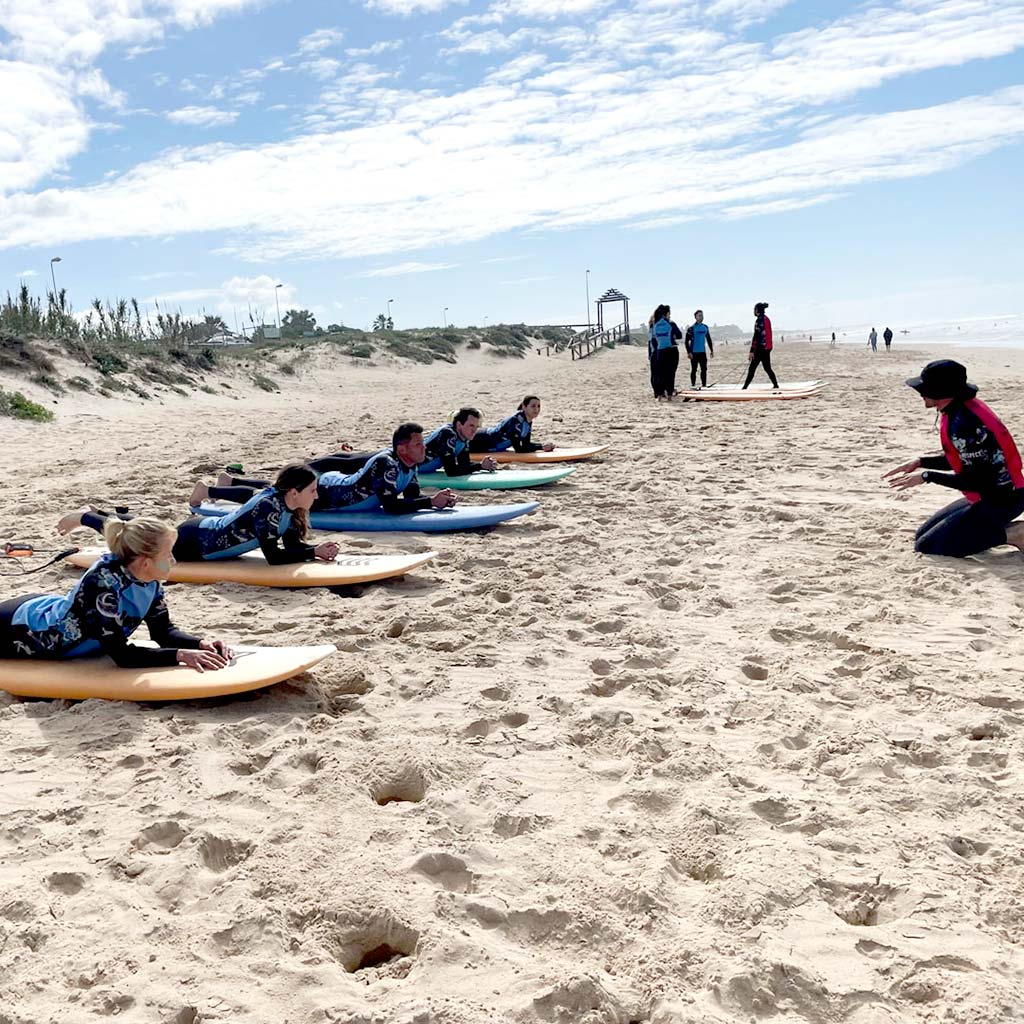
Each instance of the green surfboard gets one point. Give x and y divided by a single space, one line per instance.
501 480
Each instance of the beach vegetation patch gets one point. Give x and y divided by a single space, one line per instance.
17 406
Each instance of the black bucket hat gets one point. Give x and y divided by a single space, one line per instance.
943 378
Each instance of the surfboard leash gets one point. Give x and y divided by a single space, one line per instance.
17 549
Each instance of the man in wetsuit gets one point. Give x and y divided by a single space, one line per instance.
447 448
698 347
873 340
388 480
887 338
979 458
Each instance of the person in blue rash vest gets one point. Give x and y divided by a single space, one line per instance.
698 347
513 432
979 458
119 592
447 448
665 335
274 519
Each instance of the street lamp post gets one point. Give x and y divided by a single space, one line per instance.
277 302
53 277
485 321
445 315
390 321
588 301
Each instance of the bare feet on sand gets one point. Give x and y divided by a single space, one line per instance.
224 480
1015 535
199 494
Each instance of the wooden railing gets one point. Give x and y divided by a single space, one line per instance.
586 344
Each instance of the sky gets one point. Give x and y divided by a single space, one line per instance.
471 161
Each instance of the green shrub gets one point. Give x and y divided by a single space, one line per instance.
264 383
15 404
79 383
48 381
108 363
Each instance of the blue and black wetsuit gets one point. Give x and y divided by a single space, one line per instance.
263 521
513 432
698 344
98 616
384 482
666 336
448 452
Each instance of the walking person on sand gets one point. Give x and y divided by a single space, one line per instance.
979 458
761 346
666 353
887 338
873 340
698 347
832 343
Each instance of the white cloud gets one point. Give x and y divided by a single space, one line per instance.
406 268
385 46
321 39
29 273
409 7
235 294
202 117
598 135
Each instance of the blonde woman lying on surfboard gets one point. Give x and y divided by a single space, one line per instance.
512 432
114 597
275 519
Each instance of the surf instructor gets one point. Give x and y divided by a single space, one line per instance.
979 458
761 346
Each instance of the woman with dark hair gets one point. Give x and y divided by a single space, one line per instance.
275 519
665 335
761 346
979 458
513 431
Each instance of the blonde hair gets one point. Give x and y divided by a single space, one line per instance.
130 538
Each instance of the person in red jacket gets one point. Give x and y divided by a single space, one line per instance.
761 346
979 458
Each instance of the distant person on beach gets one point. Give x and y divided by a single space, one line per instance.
119 592
873 340
388 481
761 346
979 458
666 353
273 518
887 338
514 431
698 347
832 343
652 352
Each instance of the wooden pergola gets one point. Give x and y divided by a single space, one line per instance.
592 340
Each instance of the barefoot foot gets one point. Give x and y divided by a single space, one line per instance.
199 494
224 480
1015 535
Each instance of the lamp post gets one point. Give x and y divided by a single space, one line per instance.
53 277
588 300
277 302
445 315
485 321
390 321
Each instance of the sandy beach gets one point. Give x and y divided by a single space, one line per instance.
703 740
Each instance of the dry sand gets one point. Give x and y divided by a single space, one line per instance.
703 740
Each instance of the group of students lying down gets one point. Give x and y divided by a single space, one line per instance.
123 588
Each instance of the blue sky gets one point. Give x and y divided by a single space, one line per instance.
848 162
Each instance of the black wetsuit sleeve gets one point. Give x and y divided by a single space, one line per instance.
711 344
688 341
286 550
459 465
677 335
935 462
164 632
409 502
522 444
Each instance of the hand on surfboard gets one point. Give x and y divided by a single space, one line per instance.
444 499
548 447
206 659
327 552
489 465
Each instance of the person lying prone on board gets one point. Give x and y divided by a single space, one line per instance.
448 447
115 596
388 480
512 432
274 519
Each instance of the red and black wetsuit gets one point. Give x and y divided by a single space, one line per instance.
979 458
761 351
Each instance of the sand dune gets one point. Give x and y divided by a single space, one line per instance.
701 741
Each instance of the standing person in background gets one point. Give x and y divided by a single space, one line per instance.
652 350
873 340
666 353
832 343
761 346
887 338
698 347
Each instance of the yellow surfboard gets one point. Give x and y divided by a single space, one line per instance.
252 568
85 678
558 455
